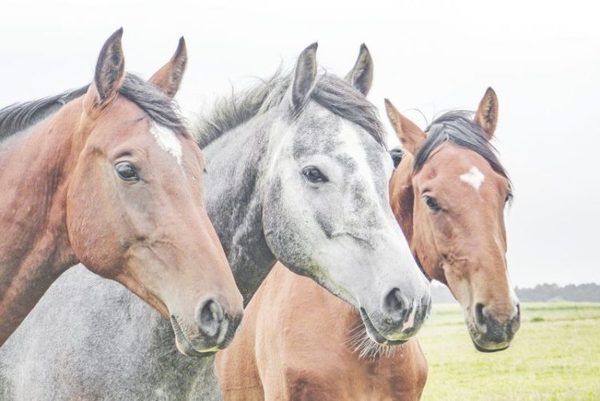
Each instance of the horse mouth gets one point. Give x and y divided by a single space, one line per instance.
184 345
483 345
374 334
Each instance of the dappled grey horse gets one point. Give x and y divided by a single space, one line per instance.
297 171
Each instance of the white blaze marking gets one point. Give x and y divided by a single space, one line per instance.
167 140
354 147
473 177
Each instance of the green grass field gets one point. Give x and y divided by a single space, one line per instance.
555 356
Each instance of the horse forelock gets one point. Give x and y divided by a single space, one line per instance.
159 107
457 127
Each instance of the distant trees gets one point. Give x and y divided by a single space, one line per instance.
589 292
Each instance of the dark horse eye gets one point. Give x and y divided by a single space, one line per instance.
127 171
314 175
432 204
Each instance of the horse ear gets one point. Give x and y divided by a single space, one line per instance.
110 72
305 76
487 113
408 133
397 154
169 77
361 75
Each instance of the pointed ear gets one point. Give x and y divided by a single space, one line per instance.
397 155
361 75
408 133
169 77
305 76
487 113
110 72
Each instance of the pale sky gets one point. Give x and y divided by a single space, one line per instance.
541 57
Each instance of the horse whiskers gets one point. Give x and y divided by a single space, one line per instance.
365 347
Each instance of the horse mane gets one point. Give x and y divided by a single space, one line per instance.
458 128
159 107
19 116
331 92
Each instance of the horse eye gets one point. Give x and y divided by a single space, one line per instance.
314 175
127 171
432 204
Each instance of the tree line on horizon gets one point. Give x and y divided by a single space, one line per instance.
589 292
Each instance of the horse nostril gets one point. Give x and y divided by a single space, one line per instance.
394 304
210 317
479 316
515 322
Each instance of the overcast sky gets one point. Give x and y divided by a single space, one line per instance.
541 57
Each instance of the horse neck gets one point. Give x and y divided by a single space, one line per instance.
34 247
235 166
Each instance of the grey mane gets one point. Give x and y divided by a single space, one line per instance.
331 92
150 99
458 128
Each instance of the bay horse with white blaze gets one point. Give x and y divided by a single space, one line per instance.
296 170
448 194
113 180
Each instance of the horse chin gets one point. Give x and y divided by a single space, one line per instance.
184 345
486 346
489 348
374 334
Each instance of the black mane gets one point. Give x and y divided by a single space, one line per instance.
19 116
150 99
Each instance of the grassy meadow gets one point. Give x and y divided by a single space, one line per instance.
554 357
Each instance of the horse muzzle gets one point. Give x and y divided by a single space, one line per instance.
214 330
488 333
